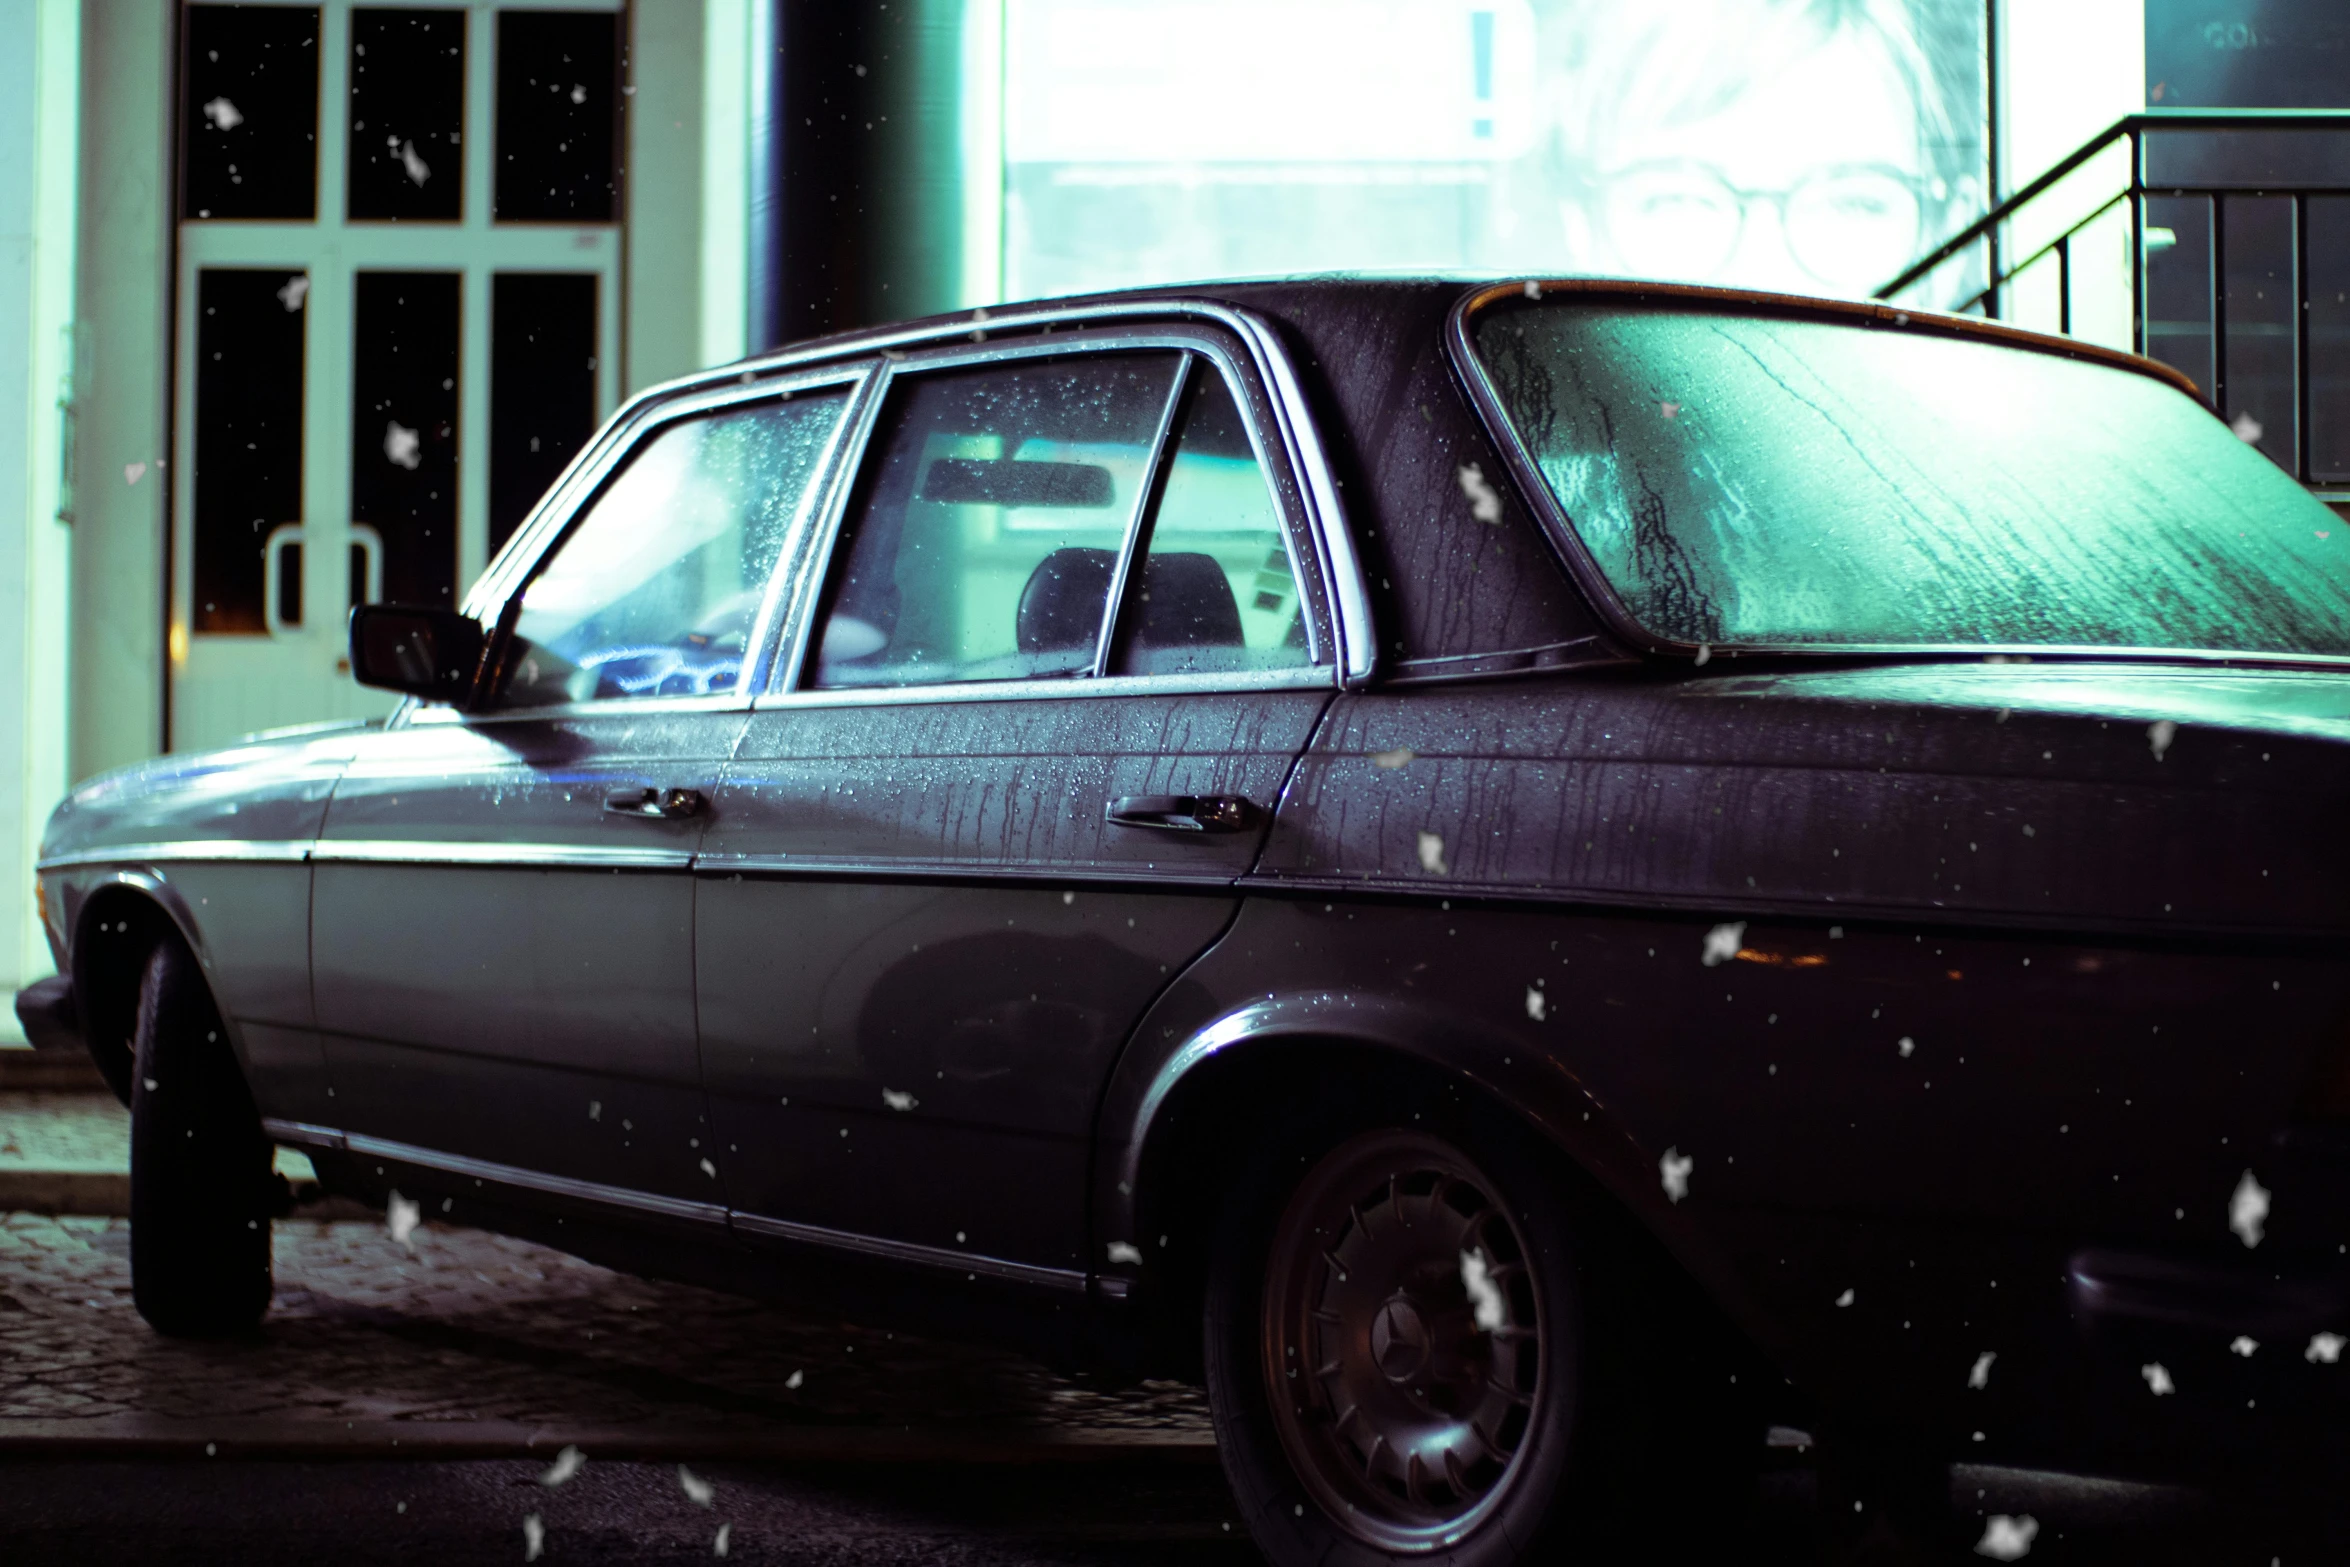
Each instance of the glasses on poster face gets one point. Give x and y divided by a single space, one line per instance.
1850 226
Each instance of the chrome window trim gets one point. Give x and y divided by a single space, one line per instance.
260 851
618 707
1142 875
1154 485
528 856
1288 483
908 1251
302 1134
1303 677
359 1143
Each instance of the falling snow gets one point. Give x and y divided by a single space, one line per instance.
1980 1377
297 290
534 1537
1484 1295
1391 760
2159 735
1432 855
1845 1299
725 1536
402 445
2007 1539
1675 1167
567 1463
1125 1251
709 1169
579 95
402 1216
697 1491
1908 1046
2158 1379
416 166
2244 1345
1484 499
133 472
795 1379
2324 1349
898 1100
223 115
1536 1006
1723 941
2246 427
2248 1210
1669 410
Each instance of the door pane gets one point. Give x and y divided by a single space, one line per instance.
2178 286
407 114
558 107
657 590
404 429
249 112
989 525
542 387
1217 590
2328 250
248 478
2263 333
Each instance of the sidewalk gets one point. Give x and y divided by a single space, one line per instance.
471 1344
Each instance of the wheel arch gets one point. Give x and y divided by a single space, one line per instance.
1207 1098
123 915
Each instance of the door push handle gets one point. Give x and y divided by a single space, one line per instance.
1182 812
667 805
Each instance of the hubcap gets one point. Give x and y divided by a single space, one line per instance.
1402 1340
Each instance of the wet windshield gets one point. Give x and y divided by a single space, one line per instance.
1751 480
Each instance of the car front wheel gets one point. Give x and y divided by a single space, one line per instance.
1398 1354
201 1185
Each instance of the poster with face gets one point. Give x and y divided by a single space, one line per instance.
1813 146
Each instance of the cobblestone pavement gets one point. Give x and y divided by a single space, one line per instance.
471 1327
49 1131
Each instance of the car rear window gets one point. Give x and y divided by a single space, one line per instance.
1754 480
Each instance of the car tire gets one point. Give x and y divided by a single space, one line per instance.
201 1182
1541 1404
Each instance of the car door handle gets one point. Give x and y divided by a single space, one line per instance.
1182 812
668 805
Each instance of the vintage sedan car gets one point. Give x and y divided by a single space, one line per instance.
1522 879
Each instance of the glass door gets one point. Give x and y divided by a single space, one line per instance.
397 318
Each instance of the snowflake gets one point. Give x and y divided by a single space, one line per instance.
2244 1345
1533 289
133 472
534 1537
402 445
1432 854
1907 1045
725 1535
709 1169
795 1379
1981 1376
1845 1299
1492 1311
417 169
2005 1539
223 115
402 1216
567 1463
2324 1349
1391 760
898 1100
1536 1007
1484 499
2246 427
2248 1210
697 1491
1669 410
579 95
2158 1378
1723 941
1126 1251
297 289
2160 734
1675 1167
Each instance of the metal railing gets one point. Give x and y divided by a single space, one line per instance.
2238 263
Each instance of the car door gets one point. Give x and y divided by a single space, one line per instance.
1071 636
503 913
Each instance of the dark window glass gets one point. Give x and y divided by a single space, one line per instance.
2328 251
1788 482
558 108
407 114
2178 286
990 519
658 587
404 431
2262 398
248 478
249 112
542 387
1216 590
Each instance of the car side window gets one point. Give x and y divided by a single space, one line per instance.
989 521
1217 589
656 591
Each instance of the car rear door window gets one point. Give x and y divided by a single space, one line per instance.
1217 589
989 524
659 589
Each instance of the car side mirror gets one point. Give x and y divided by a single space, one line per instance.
426 652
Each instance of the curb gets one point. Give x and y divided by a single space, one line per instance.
104 1193
145 1436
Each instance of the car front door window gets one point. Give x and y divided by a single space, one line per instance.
658 590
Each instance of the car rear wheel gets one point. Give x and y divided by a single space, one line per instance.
1399 1352
201 1186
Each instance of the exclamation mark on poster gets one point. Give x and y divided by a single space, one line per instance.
1481 70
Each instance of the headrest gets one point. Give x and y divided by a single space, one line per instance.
1189 603
1061 607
